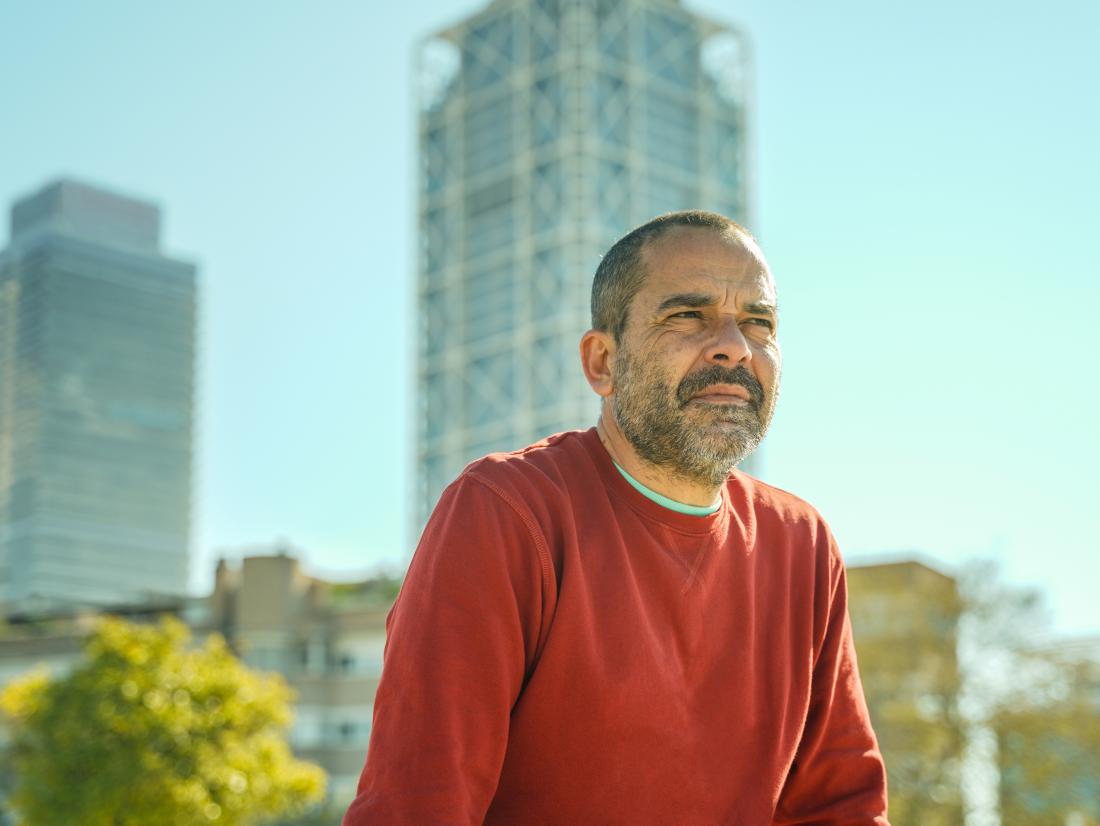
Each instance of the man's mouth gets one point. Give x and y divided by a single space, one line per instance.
723 395
732 394
721 387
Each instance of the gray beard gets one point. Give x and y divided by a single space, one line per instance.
701 444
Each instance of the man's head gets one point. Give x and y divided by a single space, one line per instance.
683 345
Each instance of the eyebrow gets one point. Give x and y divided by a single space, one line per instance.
706 300
686 300
761 308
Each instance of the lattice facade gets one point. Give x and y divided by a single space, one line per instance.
548 128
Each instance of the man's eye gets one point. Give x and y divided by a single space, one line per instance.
762 322
687 314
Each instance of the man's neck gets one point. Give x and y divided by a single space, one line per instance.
677 488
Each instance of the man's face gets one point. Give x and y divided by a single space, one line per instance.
696 375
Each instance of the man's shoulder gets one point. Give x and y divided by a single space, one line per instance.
555 462
542 483
770 500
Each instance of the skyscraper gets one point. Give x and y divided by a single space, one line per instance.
548 128
97 351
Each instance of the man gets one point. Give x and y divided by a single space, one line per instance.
615 626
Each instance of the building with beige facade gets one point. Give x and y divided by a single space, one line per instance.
325 638
905 617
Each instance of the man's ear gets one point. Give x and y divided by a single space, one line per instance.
597 359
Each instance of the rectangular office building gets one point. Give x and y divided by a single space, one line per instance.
97 354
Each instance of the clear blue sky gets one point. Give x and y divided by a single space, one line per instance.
927 196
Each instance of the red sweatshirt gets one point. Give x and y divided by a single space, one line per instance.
566 651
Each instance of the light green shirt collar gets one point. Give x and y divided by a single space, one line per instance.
671 504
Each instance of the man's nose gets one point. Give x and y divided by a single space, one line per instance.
728 344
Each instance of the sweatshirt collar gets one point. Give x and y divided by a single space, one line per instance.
624 491
664 501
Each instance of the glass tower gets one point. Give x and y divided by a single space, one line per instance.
97 350
549 128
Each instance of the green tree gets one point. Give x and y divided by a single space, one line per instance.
1049 747
147 729
951 672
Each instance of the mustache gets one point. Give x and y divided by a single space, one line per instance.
703 379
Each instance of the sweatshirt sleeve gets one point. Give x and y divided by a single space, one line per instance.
461 638
838 777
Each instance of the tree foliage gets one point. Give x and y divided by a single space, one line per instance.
945 662
1049 749
149 730
905 618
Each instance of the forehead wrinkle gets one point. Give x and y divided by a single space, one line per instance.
766 305
745 272
750 272
691 299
